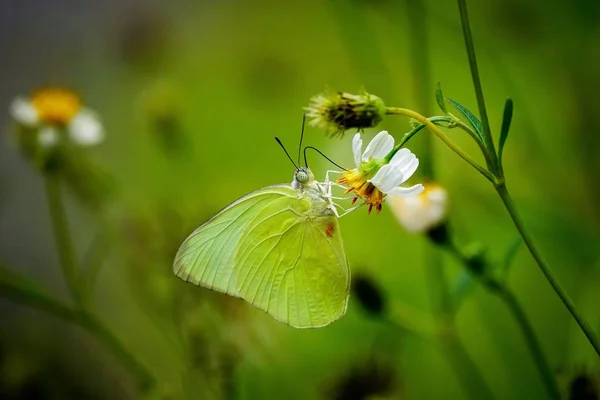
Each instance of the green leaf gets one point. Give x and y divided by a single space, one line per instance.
506 120
439 97
470 117
510 254
462 287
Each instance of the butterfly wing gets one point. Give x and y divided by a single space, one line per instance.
207 257
294 267
276 250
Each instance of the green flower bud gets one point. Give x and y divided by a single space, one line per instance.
336 112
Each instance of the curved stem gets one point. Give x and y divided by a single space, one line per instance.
505 293
27 295
439 133
530 337
548 273
466 369
467 372
464 19
62 234
471 132
409 135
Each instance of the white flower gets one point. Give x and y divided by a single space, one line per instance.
23 112
85 128
375 176
423 212
53 111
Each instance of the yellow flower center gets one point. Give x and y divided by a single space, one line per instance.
55 105
357 181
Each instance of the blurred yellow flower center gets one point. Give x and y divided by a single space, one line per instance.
357 182
57 106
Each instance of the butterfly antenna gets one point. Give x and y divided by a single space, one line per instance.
286 152
301 137
321 153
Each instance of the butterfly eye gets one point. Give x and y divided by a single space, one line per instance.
302 176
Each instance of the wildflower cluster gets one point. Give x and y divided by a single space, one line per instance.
55 115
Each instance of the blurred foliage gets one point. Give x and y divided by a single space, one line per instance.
191 95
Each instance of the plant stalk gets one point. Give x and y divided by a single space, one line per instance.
548 273
62 234
439 133
467 371
531 339
28 296
493 164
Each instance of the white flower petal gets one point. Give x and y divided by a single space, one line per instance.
379 147
410 191
48 136
23 112
400 156
382 176
85 129
410 167
357 148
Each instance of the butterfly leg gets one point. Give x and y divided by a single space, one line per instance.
345 210
328 182
349 210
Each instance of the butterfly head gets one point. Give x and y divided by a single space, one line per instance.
302 176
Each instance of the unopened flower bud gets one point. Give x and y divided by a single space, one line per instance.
336 112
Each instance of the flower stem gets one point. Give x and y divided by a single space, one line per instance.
500 289
533 344
548 273
466 26
466 369
62 234
439 133
27 294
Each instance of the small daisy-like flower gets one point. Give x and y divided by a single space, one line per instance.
336 112
421 213
52 111
380 170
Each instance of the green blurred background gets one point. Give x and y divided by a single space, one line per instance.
191 95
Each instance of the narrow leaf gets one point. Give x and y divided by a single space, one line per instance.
463 286
506 120
470 117
510 254
439 97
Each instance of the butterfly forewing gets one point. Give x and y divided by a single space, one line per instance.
277 248
206 257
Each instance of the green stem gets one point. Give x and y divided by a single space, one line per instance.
548 273
530 337
62 234
464 19
466 369
468 373
440 134
25 294
428 173
505 293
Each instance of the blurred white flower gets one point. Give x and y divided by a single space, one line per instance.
53 111
421 213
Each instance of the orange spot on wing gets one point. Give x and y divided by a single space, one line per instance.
329 230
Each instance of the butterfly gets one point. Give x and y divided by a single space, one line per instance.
279 248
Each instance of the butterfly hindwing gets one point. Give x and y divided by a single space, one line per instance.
293 266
